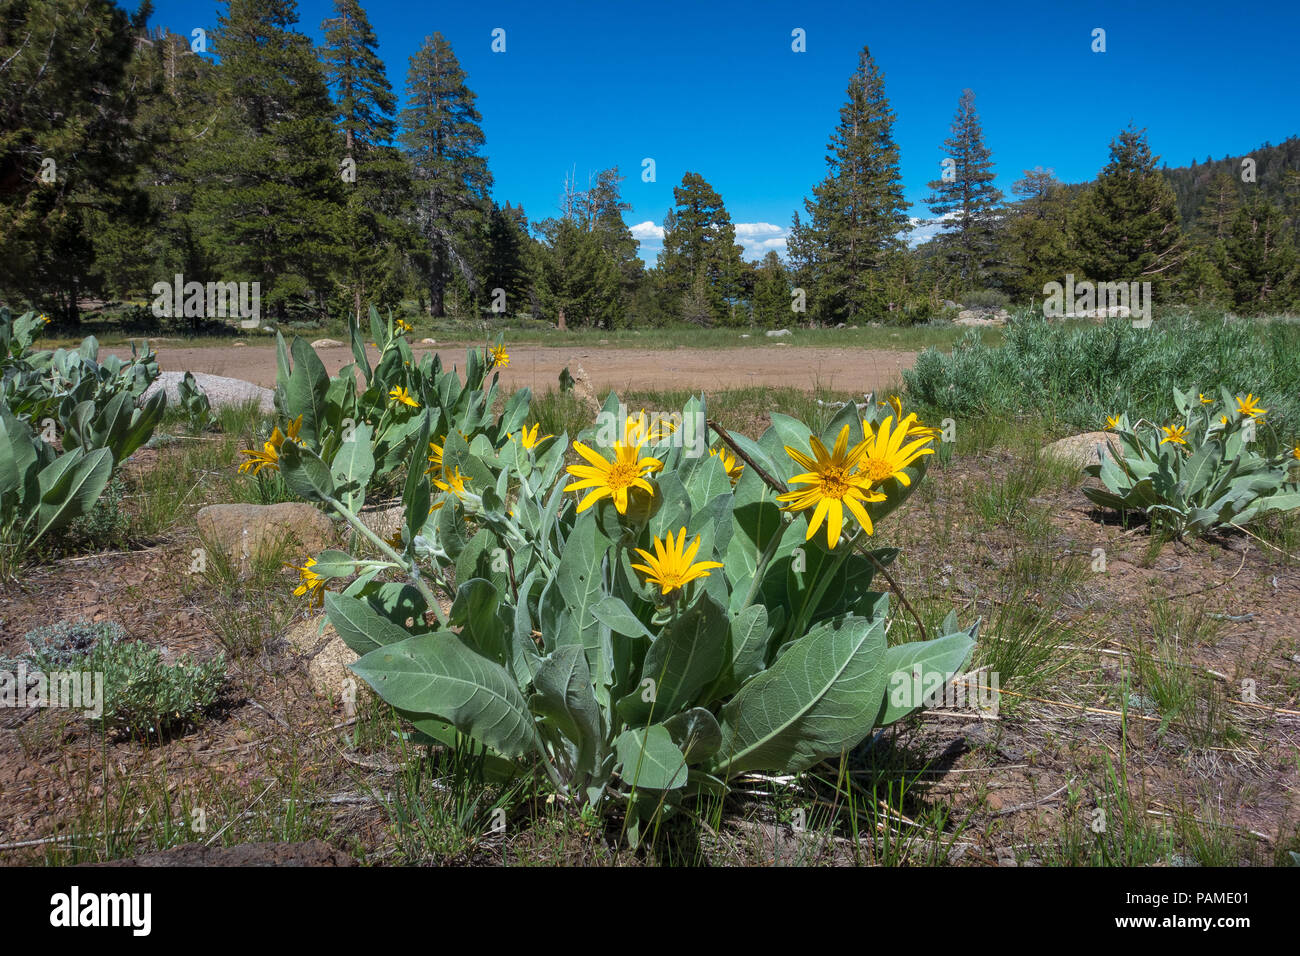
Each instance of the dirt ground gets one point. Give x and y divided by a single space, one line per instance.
538 367
1016 788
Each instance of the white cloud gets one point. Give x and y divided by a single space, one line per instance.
647 231
923 230
757 238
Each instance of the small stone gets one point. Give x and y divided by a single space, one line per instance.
777 333
428 341
1081 450
327 344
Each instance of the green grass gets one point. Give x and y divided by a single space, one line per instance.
246 606
462 333
1075 375
1184 696
1022 641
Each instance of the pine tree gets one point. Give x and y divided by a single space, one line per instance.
699 235
576 277
269 198
1035 239
507 261
771 300
600 209
858 210
1218 210
966 196
1258 259
68 151
178 92
1127 228
442 139
376 177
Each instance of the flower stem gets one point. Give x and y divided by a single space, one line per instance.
412 571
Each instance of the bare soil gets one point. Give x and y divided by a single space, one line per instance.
1013 787
538 367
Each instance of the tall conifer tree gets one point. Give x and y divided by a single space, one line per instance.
269 199
376 179
442 139
966 197
68 149
699 237
857 212
1127 227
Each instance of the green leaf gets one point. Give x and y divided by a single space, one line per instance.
334 564
437 674
650 759
696 733
564 695
706 481
353 466
474 611
685 658
306 475
70 487
921 664
614 613
750 636
308 383
361 627
817 699
578 583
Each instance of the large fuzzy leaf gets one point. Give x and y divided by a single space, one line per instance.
438 675
361 627
650 759
307 385
684 660
70 487
818 698
578 584
352 468
921 663
564 695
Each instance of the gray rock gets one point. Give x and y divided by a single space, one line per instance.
1081 450
777 333
220 390
972 318
327 344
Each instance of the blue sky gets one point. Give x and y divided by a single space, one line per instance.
715 88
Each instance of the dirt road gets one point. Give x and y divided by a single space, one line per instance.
846 370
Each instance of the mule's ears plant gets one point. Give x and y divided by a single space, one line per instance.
39 385
120 426
746 646
41 491
1208 470
194 402
400 400
97 405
